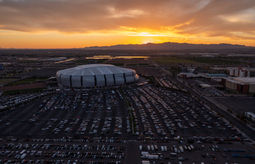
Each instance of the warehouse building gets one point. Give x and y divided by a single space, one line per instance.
240 84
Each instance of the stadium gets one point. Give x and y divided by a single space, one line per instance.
95 75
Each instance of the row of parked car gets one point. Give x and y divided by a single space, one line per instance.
174 152
9 102
41 152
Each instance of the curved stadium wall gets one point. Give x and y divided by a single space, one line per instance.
95 75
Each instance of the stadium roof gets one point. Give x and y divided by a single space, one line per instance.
94 69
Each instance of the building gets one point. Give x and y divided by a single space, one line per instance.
201 75
205 85
190 75
240 84
216 75
241 72
95 75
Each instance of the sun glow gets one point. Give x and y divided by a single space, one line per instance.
147 34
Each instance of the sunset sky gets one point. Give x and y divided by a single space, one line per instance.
81 23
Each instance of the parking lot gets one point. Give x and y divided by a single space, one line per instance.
100 125
176 152
61 151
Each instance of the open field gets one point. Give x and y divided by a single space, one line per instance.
27 81
186 59
173 60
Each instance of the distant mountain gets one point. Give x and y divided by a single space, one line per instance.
169 46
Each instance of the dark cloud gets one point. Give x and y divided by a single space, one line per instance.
214 17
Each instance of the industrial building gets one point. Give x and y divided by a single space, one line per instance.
95 75
240 84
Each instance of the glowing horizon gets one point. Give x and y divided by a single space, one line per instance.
77 24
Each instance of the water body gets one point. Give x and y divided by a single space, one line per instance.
100 57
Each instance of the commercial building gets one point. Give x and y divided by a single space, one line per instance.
95 75
240 84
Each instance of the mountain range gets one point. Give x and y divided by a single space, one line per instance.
169 46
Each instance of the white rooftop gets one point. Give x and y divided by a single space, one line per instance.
243 80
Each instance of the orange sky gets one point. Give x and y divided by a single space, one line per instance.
82 23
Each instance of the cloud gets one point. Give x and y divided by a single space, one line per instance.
210 17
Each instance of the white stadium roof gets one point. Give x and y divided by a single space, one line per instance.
92 75
94 69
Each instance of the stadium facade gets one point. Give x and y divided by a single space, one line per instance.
95 75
